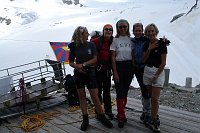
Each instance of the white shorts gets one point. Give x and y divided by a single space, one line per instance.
149 72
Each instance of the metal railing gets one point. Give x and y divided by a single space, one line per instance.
33 72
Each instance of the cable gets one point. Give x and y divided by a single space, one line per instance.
35 121
73 108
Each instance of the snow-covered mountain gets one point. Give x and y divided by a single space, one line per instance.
27 26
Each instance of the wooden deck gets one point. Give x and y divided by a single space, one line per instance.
172 120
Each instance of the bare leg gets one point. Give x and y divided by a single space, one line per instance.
155 101
82 98
96 101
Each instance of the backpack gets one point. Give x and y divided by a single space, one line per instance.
70 87
95 34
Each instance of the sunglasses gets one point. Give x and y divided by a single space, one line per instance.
123 27
108 29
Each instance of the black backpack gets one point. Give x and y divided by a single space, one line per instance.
70 87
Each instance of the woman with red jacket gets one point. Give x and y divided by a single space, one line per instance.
103 67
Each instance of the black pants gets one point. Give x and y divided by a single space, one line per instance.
104 84
139 71
125 73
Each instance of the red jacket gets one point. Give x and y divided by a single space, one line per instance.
104 55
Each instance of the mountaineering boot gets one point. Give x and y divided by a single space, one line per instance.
154 126
120 112
120 124
104 120
146 119
85 122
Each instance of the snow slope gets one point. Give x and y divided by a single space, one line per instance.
34 24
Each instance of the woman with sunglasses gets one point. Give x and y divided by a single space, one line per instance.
121 52
85 54
103 67
154 56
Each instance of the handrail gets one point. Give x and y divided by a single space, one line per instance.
39 69
40 78
23 65
26 71
19 73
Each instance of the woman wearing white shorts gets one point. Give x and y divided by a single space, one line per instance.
154 56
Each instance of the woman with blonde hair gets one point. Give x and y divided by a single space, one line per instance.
82 57
154 57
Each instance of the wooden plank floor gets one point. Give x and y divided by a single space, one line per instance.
172 120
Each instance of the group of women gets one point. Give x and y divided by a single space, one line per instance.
144 55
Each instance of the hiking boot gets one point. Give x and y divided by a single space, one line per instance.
142 116
120 124
153 126
109 114
104 120
85 123
146 119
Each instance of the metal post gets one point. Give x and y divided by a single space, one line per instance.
167 72
188 82
46 66
8 72
40 69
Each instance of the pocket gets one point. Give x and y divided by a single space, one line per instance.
149 71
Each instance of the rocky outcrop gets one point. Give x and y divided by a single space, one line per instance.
4 19
69 2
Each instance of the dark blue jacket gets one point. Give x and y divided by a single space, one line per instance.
138 49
